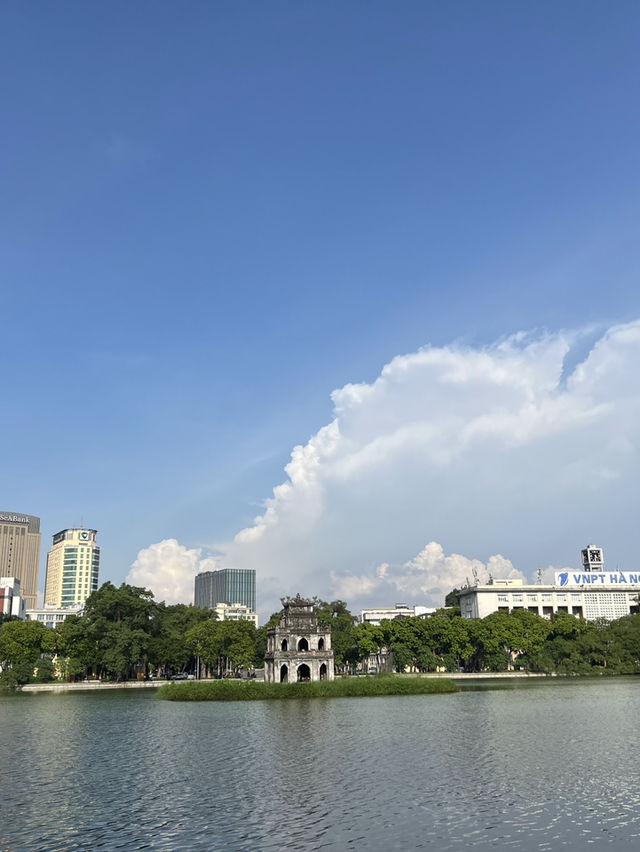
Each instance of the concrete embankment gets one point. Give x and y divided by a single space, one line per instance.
91 686
481 675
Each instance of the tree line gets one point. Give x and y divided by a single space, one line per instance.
124 633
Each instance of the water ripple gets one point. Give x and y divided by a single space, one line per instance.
524 769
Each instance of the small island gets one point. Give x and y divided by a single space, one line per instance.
347 687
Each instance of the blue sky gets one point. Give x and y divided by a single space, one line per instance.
215 214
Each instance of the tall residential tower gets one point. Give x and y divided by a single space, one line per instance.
72 567
20 552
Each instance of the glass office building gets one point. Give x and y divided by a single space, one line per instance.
226 586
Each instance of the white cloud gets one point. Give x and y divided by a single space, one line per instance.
486 450
427 578
168 569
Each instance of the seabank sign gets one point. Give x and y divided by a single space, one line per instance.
14 519
602 578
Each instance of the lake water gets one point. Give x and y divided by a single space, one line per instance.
539 766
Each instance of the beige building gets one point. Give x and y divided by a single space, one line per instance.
20 552
73 564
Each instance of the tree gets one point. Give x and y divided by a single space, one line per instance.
23 644
205 641
336 617
224 645
113 637
453 598
369 640
168 649
402 656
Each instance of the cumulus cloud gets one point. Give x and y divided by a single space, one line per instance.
168 569
427 578
526 447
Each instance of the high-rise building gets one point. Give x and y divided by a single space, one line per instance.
20 552
73 564
226 586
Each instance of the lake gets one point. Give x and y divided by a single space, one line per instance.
540 765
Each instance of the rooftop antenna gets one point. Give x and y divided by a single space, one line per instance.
539 576
474 571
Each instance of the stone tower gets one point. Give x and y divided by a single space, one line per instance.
297 649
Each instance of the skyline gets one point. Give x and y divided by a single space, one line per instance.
221 223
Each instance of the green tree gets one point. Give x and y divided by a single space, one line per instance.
336 617
453 598
224 645
113 637
168 649
23 645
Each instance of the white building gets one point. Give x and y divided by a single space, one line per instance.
11 602
375 615
591 593
235 612
52 616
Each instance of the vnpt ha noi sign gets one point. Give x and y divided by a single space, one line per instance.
600 578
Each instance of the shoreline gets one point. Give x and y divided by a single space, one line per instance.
95 686
89 686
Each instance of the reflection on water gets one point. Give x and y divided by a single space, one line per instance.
541 767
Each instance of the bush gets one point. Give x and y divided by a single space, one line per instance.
226 690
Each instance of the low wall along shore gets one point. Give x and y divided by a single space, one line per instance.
95 685
90 686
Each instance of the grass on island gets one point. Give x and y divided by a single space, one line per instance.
353 687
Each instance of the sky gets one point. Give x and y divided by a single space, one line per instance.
343 292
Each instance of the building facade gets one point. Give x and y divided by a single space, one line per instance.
591 593
20 543
73 566
297 649
226 586
235 612
374 615
52 616
11 601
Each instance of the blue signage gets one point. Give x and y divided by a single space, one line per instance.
602 578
